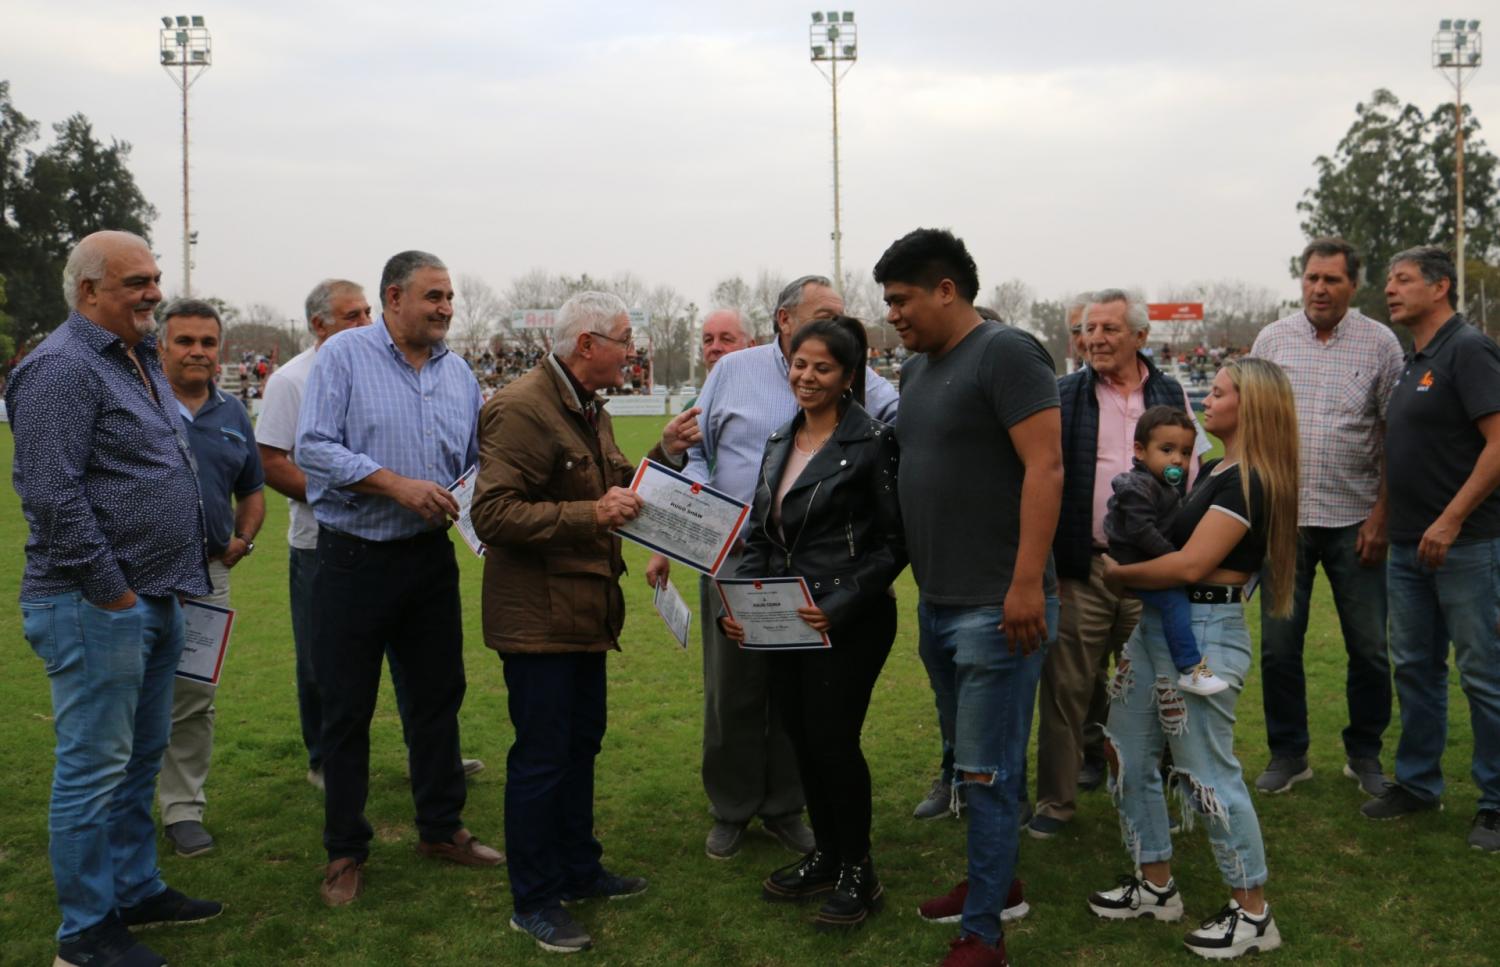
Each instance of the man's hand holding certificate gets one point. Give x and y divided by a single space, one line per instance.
683 519
772 614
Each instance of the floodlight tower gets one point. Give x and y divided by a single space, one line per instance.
833 40
186 52
1458 46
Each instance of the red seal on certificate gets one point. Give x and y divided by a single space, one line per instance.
757 585
696 488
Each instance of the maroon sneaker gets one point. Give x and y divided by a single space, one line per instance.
970 951
949 908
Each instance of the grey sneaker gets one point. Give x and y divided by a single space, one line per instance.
935 804
1044 827
1367 773
315 778
1396 801
1282 774
790 831
472 767
725 839
189 838
553 930
1485 833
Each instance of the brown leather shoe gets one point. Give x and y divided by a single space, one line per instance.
343 881
464 850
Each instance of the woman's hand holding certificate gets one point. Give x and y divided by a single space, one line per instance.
772 614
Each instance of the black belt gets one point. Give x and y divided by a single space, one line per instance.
1214 594
348 538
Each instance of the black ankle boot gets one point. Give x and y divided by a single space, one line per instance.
856 896
812 875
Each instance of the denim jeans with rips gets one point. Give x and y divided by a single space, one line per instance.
1458 602
1148 712
111 674
988 692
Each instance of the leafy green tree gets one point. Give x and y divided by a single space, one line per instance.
1389 185
51 199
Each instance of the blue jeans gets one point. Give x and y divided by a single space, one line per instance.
1458 602
1148 712
988 693
1177 624
111 674
1359 595
557 707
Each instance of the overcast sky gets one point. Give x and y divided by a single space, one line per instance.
1073 145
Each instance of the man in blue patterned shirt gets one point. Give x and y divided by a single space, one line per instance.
116 538
389 419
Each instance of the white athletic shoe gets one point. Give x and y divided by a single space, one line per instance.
1134 897
1201 681
1232 932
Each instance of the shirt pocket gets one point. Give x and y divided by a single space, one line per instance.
1353 400
576 475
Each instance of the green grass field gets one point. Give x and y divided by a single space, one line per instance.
1345 890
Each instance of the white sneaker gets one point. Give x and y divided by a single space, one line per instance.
1201 681
1135 897
1232 932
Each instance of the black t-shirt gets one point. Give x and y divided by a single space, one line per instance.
1431 440
1221 488
960 477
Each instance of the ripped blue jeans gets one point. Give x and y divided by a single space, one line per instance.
988 694
1147 712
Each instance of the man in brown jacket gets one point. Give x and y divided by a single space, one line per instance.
551 487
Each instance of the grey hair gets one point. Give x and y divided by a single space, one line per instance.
86 262
585 312
399 269
791 296
196 308
320 300
1136 316
1435 263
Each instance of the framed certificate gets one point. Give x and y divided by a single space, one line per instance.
206 630
687 521
767 609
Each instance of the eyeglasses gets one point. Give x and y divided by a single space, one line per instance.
625 341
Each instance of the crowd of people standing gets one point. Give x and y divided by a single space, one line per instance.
998 484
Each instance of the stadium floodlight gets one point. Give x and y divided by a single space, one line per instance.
1456 47
834 50
186 52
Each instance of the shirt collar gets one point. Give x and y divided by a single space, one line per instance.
581 395
438 349
97 338
1445 331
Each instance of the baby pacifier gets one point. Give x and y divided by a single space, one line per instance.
1173 475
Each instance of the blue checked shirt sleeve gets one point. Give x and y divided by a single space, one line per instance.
881 398
321 451
700 455
52 458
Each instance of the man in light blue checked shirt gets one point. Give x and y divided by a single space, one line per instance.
389 420
748 766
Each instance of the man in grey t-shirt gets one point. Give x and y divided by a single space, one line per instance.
980 484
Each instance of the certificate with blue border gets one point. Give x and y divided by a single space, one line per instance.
690 522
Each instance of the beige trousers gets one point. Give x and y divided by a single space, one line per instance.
184 769
1093 624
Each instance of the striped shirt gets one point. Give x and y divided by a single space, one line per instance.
364 409
1341 387
746 397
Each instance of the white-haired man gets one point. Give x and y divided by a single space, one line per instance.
107 487
552 484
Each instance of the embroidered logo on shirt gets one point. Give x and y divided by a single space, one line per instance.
1425 383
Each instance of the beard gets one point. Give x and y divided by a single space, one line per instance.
143 327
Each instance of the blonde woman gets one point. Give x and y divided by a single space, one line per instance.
1242 512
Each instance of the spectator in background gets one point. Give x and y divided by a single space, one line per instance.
230 485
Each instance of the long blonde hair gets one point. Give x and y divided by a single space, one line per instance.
1268 445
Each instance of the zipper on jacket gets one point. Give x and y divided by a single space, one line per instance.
849 533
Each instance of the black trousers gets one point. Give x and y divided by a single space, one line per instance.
369 596
822 697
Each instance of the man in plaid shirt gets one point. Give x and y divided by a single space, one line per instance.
1342 366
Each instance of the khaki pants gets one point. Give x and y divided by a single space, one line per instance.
184 768
1094 623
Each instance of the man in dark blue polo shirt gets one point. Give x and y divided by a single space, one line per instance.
229 483
1442 449
106 483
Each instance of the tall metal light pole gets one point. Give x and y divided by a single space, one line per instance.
186 52
833 41
1457 47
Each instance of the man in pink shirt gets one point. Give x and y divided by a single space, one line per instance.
1100 405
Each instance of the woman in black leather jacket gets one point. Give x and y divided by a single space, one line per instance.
826 509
